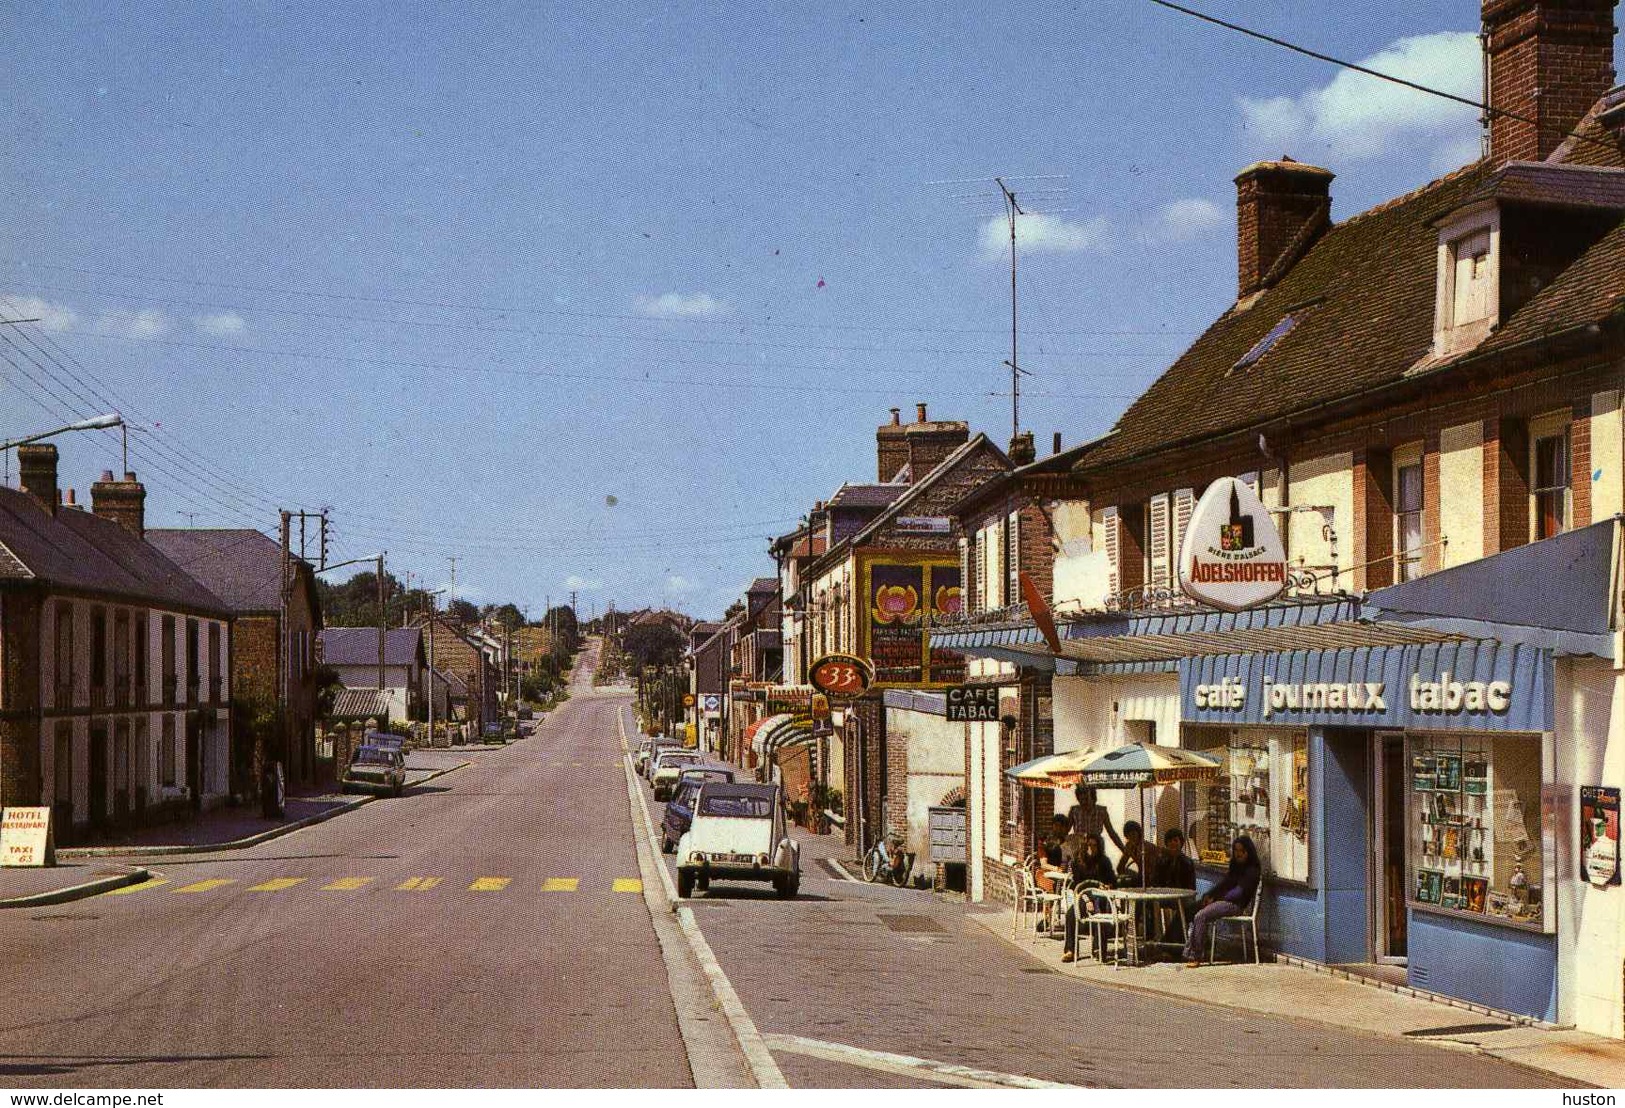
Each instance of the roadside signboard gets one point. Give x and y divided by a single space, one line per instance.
688 700
842 676
973 704
25 837
1232 556
711 704
924 525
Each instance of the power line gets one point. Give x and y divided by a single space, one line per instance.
1486 109
562 313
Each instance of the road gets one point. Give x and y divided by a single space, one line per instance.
490 929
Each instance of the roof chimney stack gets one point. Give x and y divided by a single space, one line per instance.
1281 209
891 448
1023 449
920 409
1549 61
1057 448
36 467
124 502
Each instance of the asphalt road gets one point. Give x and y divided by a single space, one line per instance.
489 929
486 929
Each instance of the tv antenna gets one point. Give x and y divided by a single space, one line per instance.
1012 209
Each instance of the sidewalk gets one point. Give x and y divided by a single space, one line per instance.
1282 990
30 888
228 827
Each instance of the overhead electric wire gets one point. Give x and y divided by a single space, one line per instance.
1486 109
560 312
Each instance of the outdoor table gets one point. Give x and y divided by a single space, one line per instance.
1150 896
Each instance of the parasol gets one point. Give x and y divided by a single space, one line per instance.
1053 771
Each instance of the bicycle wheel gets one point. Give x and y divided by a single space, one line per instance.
871 866
899 874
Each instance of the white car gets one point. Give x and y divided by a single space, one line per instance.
667 766
738 834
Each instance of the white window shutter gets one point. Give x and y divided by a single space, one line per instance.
1012 548
1184 504
1114 549
1158 542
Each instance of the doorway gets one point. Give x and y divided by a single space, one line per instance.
1388 940
98 775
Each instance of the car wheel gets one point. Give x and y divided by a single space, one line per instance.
685 883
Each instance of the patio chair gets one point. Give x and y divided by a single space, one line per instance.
1030 898
1247 921
1117 917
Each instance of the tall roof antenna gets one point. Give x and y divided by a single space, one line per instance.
1012 209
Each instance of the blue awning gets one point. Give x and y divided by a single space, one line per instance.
1556 594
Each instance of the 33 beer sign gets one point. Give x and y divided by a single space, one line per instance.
843 676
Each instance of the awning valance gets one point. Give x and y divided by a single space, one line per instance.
758 731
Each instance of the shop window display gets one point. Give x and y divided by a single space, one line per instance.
1474 844
1263 792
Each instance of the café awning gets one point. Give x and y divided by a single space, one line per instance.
757 732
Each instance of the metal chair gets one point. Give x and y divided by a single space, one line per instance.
1247 921
1118 918
1029 897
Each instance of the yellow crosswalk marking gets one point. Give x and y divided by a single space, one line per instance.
276 884
140 886
417 884
345 884
490 884
205 885
560 884
628 885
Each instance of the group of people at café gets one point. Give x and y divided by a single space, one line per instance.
1076 846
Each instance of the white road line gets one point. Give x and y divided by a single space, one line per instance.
945 1072
757 1056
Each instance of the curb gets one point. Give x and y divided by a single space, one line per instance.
77 892
171 849
757 1057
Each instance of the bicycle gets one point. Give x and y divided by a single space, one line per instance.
894 865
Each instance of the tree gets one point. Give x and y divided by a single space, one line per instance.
654 644
507 615
463 612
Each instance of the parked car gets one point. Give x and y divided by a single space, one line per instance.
738 834
376 769
680 808
492 733
526 712
661 742
667 766
388 740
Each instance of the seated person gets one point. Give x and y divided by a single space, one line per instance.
1173 868
1232 896
1138 856
1055 844
1091 865
1038 865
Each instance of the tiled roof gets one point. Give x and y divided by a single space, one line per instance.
1598 140
75 549
358 646
866 496
1364 297
1554 184
1591 290
241 566
763 585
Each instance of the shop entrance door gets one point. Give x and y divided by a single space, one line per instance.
1388 859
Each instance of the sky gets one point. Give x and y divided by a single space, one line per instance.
598 297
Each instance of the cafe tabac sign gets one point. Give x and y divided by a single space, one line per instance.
1232 557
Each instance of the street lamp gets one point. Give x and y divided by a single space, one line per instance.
95 423
383 622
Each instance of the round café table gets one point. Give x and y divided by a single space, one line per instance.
1153 896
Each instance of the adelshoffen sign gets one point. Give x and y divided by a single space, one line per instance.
1232 557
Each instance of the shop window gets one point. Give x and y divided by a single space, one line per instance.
1408 520
64 655
1474 844
1262 792
1550 489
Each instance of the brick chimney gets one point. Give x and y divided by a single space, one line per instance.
124 502
36 466
1023 448
930 442
891 450
1549 62
1281 209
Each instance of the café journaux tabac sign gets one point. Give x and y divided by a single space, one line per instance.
1232 557
25 837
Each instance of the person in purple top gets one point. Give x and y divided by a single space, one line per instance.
1232 896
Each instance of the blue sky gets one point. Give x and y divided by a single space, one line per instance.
600 296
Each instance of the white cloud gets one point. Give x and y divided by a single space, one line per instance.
677 305
1186 219
582 584
52 317
1037 233
1356 116
679 584
144 324
220 324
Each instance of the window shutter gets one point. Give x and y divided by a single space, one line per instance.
1012 548
1158 542
1113 549
979 574
1184 504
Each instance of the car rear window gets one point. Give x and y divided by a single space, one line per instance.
737 807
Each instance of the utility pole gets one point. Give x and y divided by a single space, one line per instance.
284 661
453 599
383 622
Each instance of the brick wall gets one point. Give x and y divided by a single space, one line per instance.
1550 61
19 696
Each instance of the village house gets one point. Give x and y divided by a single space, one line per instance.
1424 400
115 709
276 617
352 652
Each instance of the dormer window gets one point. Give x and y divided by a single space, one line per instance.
1468 299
